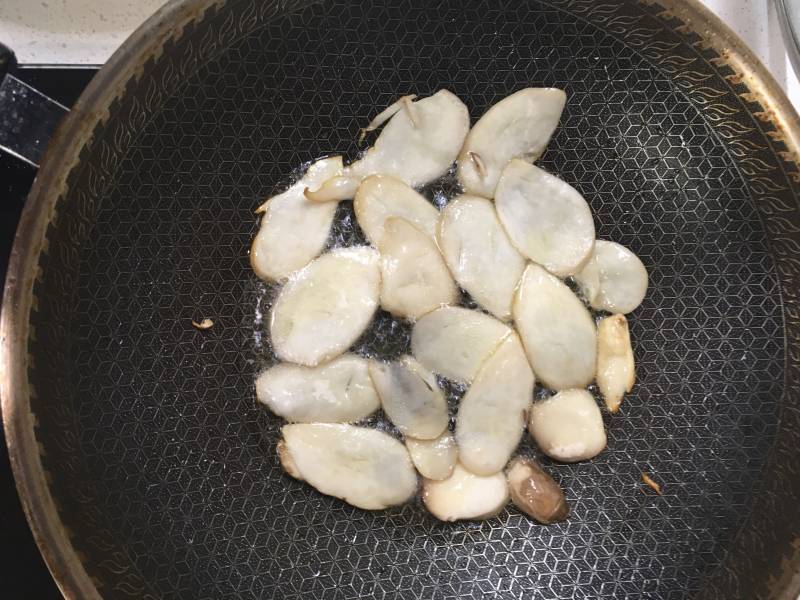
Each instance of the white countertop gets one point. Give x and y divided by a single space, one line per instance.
86 32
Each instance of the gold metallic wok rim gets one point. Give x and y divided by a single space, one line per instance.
63 154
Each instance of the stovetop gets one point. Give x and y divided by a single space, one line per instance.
23 574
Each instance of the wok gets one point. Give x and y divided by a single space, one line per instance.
145 466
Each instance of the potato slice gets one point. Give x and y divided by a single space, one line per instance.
491 416
410 397
436 458
454 341
615 369
417 145
415 278
340 391
479 253
535 493
465 496
364 467
557 331
568 426
382 196
614 279
294 230
323 308
519 126
545 218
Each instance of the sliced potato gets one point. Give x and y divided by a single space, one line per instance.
568 426
454 341
557 331
417 145
339 391
364 467
436 458
382 196
613 279
615 369
293 230
491 416
479 253
545 218
414 277
410 397
535 493
519 126
323 308
465 496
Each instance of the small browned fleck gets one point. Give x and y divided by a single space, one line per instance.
656 487
204 324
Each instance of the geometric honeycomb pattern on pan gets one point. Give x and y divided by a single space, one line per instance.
183 460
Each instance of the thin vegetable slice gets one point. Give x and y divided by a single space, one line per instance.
323 308
454 341
545 218
414 277
616 373
465 496
614 279
380 197
568 426
535 493
339 391
557 331
410 397
364 467
436 458
294 230
417 145
491 415
479 253
519 126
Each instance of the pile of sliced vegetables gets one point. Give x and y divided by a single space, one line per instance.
509 241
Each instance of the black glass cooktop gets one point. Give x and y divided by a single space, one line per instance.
23 574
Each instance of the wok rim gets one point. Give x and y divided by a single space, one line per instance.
62 155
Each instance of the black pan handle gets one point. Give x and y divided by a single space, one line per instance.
28 118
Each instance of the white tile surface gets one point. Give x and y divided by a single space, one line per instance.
84 32
88 31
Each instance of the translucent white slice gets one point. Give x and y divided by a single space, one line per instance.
465 496
339 391
454 341
323 308
613 279
417 145
616 373
294 230
382 196
545 218
557 331
491 415
410 397
479 253
364 467
519 126
436 458
414 277
534 492
568 426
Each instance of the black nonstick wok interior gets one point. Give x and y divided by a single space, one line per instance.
162 466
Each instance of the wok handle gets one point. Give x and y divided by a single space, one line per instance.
28 118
